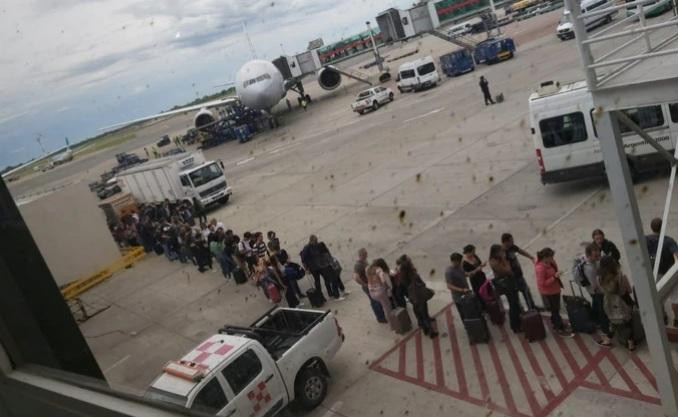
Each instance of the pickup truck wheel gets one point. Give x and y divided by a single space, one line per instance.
375 105
224 199
400 89
311 388
360 112
390 96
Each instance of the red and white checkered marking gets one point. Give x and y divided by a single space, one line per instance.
207 352
259 396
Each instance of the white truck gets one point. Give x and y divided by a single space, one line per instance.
279 360
177 177
372 98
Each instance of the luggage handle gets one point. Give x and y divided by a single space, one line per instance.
581 292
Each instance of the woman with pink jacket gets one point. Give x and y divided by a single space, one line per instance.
549 285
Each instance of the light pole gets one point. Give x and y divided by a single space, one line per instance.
374 48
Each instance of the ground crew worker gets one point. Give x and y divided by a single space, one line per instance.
484 87
303 103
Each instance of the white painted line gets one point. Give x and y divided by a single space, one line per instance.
244 161
425 115
120 362
275 151
333 410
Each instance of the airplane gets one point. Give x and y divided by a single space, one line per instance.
62 156
259 85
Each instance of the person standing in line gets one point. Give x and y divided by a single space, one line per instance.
259 248
199 210
618 302
398 292
512 251
379 289
485 88
606 247
360 277
455 277
549 285
669 255
591 272
417 293
273 241
473 267
506 284
317 260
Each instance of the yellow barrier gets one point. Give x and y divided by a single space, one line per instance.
75 288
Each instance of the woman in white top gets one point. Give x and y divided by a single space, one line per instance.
378 285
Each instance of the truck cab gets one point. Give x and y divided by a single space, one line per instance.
206 182
255 370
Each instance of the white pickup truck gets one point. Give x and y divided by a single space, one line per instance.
372 98
257 370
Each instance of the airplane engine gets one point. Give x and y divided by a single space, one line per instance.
328 78
203 119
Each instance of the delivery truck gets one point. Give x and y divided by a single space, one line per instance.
184 176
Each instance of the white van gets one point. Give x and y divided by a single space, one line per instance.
417 75
566 141
565 29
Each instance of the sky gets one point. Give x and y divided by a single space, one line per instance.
70 67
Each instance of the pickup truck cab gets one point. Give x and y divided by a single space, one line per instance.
256 370
372 98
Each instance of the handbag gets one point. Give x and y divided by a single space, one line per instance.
423 293
505 284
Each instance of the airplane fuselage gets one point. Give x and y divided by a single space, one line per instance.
259 85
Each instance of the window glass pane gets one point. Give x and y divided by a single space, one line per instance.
407 74
242 371
644 117
673 109
563 130
426 68
211 398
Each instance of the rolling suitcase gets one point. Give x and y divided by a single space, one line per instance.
579 312
496 311
533 325
315 297
477 330
273 292
470 306
400 321
239 276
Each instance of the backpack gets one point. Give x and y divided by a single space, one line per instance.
616 309
295 271
578 271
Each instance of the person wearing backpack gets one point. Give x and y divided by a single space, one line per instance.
549 285
618 303
586 272
669 255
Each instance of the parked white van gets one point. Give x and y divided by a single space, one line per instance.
566 140
565 29
417 75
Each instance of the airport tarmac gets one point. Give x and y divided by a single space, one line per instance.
423 175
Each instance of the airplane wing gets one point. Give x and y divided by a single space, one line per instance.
214 103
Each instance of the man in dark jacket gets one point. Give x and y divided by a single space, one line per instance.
317 260
484 87
606 247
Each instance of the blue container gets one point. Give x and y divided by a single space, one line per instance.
457 63
494 50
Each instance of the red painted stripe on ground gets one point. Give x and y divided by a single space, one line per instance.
536 368
527 388
621 393
503 382
565 350
438 360
644 370
622 372
456 354
402 358
484 389
419 357
554 364
587 354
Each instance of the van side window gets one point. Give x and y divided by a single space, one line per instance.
184 181
673 109
644 117
242 371
563 130
407 74
211 398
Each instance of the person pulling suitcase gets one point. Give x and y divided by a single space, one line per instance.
550 285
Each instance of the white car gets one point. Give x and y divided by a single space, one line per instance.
372 98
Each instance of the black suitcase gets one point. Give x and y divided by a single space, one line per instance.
477 330
579 312
470 306
400 321
239 276
315 297
533 325
158 249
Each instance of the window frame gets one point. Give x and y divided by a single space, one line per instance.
237 390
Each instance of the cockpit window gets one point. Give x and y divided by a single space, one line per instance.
256 80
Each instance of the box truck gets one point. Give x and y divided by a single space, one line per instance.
177 177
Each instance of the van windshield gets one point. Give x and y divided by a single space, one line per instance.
426 68
205 174
407 74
